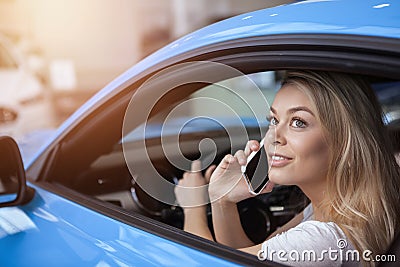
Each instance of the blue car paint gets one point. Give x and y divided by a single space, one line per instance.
67 234
349 17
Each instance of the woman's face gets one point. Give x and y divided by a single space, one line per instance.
297 150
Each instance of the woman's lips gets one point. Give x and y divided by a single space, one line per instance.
277 160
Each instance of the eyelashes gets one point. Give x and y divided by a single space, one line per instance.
272 120
295 122
298 123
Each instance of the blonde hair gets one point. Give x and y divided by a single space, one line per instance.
362 194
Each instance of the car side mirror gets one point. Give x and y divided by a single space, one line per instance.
13 188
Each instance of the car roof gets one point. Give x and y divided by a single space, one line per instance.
342 17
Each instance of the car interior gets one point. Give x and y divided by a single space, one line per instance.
112 161
103 172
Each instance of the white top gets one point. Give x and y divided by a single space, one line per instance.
311 243
308 213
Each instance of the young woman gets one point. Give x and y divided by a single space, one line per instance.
327 137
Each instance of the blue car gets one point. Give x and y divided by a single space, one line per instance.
100 191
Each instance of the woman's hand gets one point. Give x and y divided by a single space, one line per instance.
192 195
227 183
227 187
192 190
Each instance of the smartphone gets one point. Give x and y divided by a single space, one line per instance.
255 172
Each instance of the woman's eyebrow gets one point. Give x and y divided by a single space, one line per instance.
295 109
300 108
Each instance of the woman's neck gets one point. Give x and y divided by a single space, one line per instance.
316 194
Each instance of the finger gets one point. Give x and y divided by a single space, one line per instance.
229 163
228 159
241 157
181 181
196 166
252 145
208 173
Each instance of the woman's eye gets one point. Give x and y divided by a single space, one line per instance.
273 121
298 123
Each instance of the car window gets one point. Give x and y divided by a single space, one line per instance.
214 108
206 123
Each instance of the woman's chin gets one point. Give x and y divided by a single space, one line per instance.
279 179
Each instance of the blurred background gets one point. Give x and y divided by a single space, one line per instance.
55 54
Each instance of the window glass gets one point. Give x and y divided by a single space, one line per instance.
204 125
224 100
231 90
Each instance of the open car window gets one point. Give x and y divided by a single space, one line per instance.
189 125
208 123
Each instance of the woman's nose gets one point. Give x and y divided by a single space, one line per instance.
275 136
